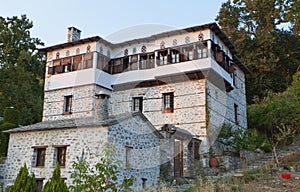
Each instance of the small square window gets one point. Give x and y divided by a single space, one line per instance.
168 102
137 104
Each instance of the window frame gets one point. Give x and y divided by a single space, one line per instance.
68 101
61 154
127 156
236 114
39 156
168 102
137 104
39 184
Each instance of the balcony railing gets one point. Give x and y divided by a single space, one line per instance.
142 61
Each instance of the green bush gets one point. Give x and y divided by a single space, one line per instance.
276 110
239 138
24 182
56 182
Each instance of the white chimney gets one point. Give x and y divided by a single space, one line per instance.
73 34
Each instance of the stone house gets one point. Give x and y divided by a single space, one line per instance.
179 86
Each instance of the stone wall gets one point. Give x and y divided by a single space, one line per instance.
189 104
83 102
143 145
90 141
221 107
2 170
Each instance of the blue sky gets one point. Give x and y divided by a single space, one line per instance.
104 18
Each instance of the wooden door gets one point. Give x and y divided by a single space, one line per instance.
178 159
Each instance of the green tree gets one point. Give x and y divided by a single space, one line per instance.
271 53
11 120
21 69
102 177
24 182
278 110
56 182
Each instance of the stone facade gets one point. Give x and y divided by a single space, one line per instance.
189 104
131 130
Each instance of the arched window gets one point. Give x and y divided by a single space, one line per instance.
134 50
125 52
77 51
200 37
187 39
67 53
108 53
144 49
88 49
57 55
174 42
101 50
162 45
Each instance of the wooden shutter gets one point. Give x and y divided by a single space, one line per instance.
56 62
59 69
66 60
88 56
34 158
50 70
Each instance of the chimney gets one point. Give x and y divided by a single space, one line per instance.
73 34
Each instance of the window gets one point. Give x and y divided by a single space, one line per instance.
168 102
143 62
201 51
175 56
137 104
39 185
234 79
162 57
77 51
144 183
68 104
77 60
57 55
174 42
101 50
200 37
193 147
144 49
134 50
162 45
188 53
60 153
134 62
127 155
88 60
236 117
38 157
187 39
126 52
88 49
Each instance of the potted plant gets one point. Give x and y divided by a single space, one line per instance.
213 161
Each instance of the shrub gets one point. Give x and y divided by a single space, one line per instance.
24 182
56 182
